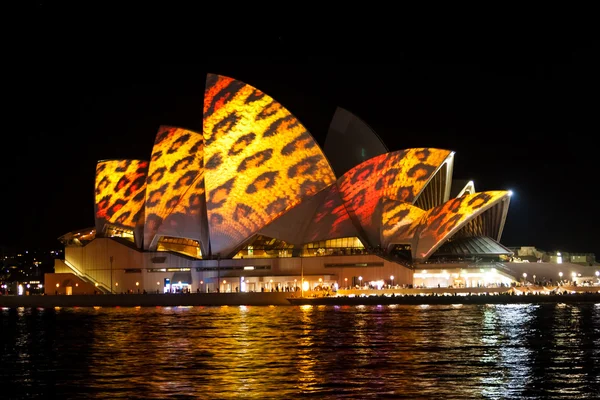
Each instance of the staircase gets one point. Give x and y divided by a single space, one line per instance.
87 278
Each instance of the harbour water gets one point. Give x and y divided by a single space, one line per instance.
457 351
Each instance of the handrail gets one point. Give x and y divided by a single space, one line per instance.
86 276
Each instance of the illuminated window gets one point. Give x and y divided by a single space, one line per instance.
339 246
265 247
185 246
114 231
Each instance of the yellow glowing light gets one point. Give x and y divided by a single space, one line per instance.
399 176
120 191
305 286
259 161
441 222
175 184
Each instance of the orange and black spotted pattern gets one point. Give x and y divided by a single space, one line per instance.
259 161
175 183
399 222
400 176
120 193
443 220
331 220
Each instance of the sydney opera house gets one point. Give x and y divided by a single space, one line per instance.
253 203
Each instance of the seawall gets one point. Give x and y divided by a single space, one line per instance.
449 300
149 300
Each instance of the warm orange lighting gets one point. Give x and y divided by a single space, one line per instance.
441 222
399 176
120 190
157 283
259 161
57 285
175 184
116 283
137 284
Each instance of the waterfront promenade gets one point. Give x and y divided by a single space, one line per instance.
508 295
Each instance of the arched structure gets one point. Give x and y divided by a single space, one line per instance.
255 185
442 222
350 141
260 161
175 200
400 176
119 195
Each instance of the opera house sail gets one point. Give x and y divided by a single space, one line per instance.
252 200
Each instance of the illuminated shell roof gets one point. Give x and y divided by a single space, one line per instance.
400 176
119 194
175 202
255 169
260 161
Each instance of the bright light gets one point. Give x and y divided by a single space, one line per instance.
560 274
597 273
57 285
524 274
305 285
137 284
20 290
360 278
573 274
510 192
392 277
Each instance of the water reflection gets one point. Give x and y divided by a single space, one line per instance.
455 351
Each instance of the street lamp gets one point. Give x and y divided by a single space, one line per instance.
360 280
346 282
392 278
560 274
111 275
534 279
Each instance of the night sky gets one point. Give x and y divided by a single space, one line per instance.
517 120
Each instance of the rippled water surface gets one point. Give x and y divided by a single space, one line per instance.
445 352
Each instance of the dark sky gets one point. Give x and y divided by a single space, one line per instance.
518 119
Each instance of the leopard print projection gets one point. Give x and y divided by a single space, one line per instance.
444 220
399 222
175 187
120 193
260 161
331 220
399 176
